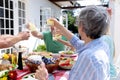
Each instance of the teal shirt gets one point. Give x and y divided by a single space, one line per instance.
52 45
110 42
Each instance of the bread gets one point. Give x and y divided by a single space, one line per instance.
4 67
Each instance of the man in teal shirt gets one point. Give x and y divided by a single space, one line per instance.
51 45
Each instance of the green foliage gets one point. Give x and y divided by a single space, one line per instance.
71 21
40 48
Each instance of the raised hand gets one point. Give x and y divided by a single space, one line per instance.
24 35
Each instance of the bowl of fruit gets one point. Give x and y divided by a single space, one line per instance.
34 61
51 63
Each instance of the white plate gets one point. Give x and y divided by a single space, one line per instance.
66 67
62 53
29 77
67 55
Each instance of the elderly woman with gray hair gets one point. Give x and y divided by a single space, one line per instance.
93 52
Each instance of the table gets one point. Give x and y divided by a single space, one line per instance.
58 74
21 73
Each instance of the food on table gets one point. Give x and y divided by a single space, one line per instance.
4 70
48 60
4 78
67 52
50 63
5 67
66 63
11 57
33 61
6 56
40 48
12 75
42 53
4 74
30 76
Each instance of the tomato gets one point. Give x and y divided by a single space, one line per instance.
66 63
12 75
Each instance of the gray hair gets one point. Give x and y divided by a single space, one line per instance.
95 21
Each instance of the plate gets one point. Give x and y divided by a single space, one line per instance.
67 54
30 76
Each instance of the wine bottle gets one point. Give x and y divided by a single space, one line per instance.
20 64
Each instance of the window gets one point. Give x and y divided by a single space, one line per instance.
6 18
45 13
21 15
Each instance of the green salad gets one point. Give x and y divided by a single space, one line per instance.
40 47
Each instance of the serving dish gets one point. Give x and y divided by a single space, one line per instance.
30 76
50 63
66 63
67 53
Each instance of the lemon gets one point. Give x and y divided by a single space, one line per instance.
5 56
4 78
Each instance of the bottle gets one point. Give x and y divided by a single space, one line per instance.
20 64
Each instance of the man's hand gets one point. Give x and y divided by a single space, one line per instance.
24 35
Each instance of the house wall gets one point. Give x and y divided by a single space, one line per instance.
33 12
115 28
33 15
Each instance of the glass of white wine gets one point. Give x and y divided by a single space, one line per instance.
56 34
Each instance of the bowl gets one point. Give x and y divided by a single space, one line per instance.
67 54
33 67
66 63
52 67
33 64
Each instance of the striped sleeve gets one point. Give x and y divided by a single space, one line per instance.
76 42
90 68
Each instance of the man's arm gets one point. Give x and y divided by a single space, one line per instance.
37 34
10 40
65 32
67 43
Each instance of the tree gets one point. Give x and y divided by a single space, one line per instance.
71 21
